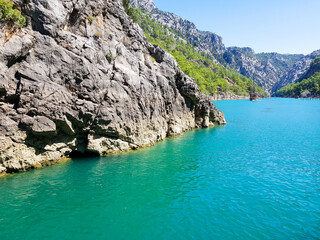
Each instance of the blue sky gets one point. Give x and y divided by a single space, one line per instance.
284 26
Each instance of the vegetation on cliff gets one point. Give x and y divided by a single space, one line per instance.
130 10
307 86
10 15
315 64
210 77
314 68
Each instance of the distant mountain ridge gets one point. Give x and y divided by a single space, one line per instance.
314 68
270 70
211 77
307 86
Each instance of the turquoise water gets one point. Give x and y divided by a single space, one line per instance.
256 178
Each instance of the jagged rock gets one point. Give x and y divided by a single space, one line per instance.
227 96
16 48
297 71
81 79
43 127
146 5
306 94
2 170
103 145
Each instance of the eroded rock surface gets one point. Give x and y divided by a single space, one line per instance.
81 78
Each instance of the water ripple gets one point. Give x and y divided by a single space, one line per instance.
256 178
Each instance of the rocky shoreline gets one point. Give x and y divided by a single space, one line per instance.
227 96
80 79
4 171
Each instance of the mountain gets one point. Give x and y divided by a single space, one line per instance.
207 42
313 69
212 78
81 78
270 70
298 69
308 86
146 5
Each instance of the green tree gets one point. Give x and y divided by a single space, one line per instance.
10 15
312 85
131 11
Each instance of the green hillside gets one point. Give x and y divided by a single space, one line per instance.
314 68
307 86
209 76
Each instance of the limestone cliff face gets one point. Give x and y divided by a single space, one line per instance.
82 78
146 5
270 70
297 71
207 42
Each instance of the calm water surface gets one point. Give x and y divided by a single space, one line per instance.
256 178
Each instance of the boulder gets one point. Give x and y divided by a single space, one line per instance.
43 127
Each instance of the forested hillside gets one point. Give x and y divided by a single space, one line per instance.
307 86
210 77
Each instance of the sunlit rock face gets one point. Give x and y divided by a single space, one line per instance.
81 78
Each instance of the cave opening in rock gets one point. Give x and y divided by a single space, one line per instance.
86 154
74 17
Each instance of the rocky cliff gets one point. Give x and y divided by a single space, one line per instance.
307 86
296 71
146 5
81 78
313 69
207 42
270 70
227 96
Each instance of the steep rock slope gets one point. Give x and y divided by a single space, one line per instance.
146 5
81 79
297 70
270 70
307 86
207 42
314 68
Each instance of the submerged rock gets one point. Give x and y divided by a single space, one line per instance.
80 78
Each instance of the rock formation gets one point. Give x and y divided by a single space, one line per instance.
146 5
307 86
227 96
81 78
296 71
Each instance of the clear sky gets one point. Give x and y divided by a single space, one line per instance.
283 26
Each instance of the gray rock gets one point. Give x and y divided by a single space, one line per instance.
83 86
43 127
306 94
146 5
17 47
